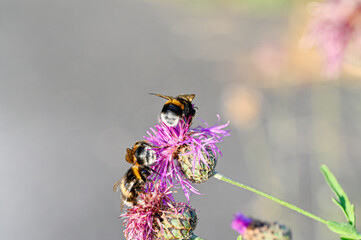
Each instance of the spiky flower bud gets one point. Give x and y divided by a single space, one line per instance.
253 229
267 231
197 170
178 223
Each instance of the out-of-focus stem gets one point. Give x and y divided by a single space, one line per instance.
277 200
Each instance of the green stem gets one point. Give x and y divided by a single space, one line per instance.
277 200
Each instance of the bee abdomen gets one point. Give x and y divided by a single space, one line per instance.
176 109
171 114
128 193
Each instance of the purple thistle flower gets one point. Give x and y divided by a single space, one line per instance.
253 229
332 29
167 142
142 221
240 223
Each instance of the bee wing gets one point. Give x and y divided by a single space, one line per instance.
116 186
130 186
122 205
162 96
187 97
129 156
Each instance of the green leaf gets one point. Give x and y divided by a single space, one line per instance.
347 231
343 202
239 237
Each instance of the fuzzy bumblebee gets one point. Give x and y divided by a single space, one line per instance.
197 170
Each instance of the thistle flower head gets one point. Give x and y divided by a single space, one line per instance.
141 220
253 229
168 141
178 222
197 171
332 29
157 216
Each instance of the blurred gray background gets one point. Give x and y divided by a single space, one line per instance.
74 82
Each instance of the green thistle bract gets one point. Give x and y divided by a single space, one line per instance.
253 229
260 230
178 223
197 171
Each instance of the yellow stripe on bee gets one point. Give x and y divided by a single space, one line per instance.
175 102
136 172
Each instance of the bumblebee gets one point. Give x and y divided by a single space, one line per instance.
131 184
177 107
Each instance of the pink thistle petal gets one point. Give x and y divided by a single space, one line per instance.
167 141
140 220
240 223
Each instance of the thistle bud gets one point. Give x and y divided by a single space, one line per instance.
253 229
197 169
267 231
178 223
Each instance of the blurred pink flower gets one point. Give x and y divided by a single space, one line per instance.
269 59
240 223
332 29
253 229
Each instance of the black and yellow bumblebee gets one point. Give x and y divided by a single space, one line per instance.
176 108
142 155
